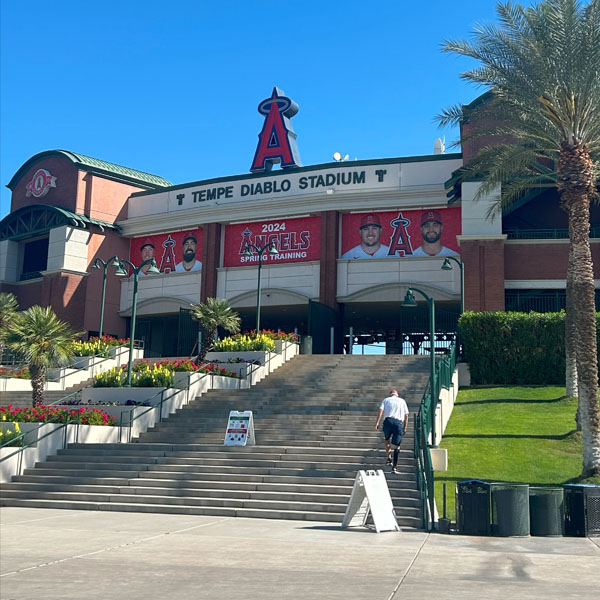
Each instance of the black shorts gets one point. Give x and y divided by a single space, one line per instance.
393 428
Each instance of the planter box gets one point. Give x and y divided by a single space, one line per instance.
270 360
287 349
120 354
85 362
117 395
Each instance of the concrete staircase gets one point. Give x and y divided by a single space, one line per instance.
314 422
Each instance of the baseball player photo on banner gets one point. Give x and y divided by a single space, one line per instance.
176 252
401 233
296 240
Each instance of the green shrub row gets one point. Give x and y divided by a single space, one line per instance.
515 348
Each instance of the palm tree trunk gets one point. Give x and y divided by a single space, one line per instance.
570 334
38 379
571 341
576 184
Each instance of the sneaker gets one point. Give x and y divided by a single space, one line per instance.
395 471
388 461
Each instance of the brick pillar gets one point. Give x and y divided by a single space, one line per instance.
483 259
330 221
211 253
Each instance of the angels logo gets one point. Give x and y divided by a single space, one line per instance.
40 184
167 262
277 140
400 241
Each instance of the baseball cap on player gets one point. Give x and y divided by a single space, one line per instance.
369 220
431 215
147 242
190 235
394 392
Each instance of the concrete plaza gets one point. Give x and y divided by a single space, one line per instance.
86 555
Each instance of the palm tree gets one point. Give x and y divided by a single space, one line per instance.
539 124
212 314
44 341
8 311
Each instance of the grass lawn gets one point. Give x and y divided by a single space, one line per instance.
511 434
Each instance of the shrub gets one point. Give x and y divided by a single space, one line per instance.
245 343
97 346
11 437
514 347
115 377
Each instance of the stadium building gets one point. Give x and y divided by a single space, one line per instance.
335 246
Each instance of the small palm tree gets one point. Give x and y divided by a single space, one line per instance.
44 341
8 311
212 314
539 125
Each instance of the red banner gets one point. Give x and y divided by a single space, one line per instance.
401 233
177 252
296 240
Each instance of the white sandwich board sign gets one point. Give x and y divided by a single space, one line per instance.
240 429
371 494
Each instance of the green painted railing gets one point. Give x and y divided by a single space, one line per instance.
423 423
546 234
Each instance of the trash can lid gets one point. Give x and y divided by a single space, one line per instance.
592 485
479 481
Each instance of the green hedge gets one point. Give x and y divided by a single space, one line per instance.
514 347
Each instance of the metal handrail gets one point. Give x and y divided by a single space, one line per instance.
423 423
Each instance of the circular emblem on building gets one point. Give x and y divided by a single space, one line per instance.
41 183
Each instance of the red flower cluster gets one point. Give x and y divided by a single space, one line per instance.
54 414
18 374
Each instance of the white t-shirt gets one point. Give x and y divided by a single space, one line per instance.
443 252
358 252
179 268
394 407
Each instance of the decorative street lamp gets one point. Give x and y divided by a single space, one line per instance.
272 250
447 266
410 302
96 265
122 272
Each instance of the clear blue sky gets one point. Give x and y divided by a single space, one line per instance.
172 88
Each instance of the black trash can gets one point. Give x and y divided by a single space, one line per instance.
510 509
473 507
546 511
306 344
582 509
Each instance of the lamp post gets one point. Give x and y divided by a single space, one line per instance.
122 272
96 265
272 250
447 266
410 302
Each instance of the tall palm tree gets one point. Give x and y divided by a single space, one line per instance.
212 314
539 125
8 311
44 341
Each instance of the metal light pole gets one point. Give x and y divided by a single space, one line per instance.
446 266
96 265
122 272
409 301
272 250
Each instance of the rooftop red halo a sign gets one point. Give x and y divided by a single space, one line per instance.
277 140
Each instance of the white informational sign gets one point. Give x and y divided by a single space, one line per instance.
240 429
371 494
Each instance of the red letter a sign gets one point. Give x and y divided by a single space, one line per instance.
277 140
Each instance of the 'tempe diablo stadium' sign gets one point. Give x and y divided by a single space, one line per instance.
177 252
401 233
296 240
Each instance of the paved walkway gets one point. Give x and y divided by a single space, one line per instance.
51 554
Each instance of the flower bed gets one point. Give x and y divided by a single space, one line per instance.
143 375
12 373
98 346
242 342
53 414
11 437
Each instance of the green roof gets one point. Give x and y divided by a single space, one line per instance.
100 167
36 219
